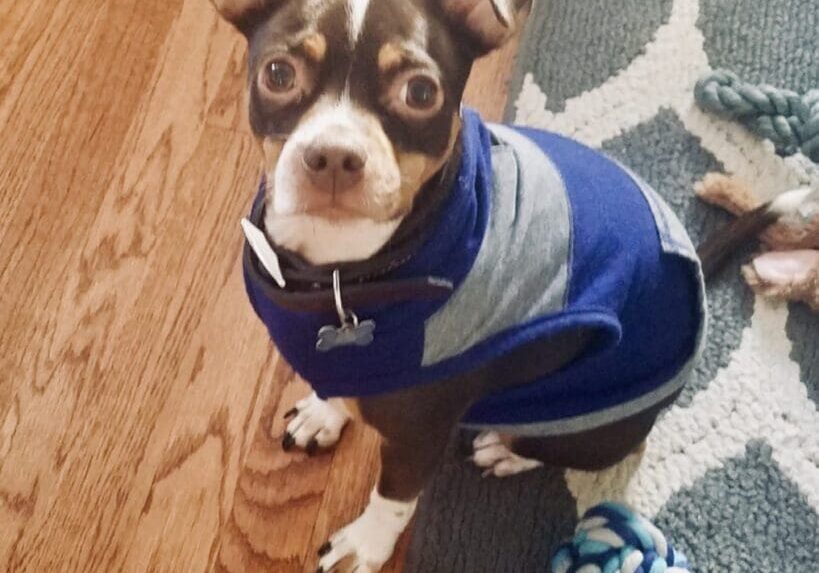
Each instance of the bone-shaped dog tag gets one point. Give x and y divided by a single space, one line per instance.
268 258
351 332
330 337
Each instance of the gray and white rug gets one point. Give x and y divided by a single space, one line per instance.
731 473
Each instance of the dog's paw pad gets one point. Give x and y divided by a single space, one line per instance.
491 454
314 424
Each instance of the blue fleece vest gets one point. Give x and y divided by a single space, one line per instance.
539 235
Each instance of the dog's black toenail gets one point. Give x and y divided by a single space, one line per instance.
291 412
325 549
288 441
464 441
320 570
311 448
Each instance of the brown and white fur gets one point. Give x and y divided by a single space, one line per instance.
355 105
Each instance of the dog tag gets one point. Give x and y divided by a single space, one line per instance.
269 259
330 337
351 332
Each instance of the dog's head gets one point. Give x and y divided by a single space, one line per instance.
356 106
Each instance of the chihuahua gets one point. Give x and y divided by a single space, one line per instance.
429 271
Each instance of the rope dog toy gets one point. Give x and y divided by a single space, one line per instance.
612 538
789 120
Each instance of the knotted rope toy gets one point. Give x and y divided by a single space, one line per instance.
789 120
612 538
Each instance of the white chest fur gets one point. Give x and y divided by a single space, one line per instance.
322 241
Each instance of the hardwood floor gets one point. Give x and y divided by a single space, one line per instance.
137 388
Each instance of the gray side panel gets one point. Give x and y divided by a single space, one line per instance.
521 271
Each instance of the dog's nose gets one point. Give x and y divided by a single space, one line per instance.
333 166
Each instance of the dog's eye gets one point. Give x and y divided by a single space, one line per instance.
280 76
421 93
284 80
415 95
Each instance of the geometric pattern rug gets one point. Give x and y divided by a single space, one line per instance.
731 471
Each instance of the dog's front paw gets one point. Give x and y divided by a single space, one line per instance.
492 454
316 424
366 544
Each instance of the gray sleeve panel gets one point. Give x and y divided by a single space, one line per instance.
521 270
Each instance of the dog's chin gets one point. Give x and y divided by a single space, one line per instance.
338 214
331 234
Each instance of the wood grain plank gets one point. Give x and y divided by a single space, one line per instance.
69 99
47 147
119 381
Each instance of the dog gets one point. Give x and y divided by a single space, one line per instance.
429 271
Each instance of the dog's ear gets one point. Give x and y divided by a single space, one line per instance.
487 23
244 13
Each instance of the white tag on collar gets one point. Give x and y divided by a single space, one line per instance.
258 242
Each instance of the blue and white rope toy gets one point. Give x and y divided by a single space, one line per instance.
788 119
612 538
